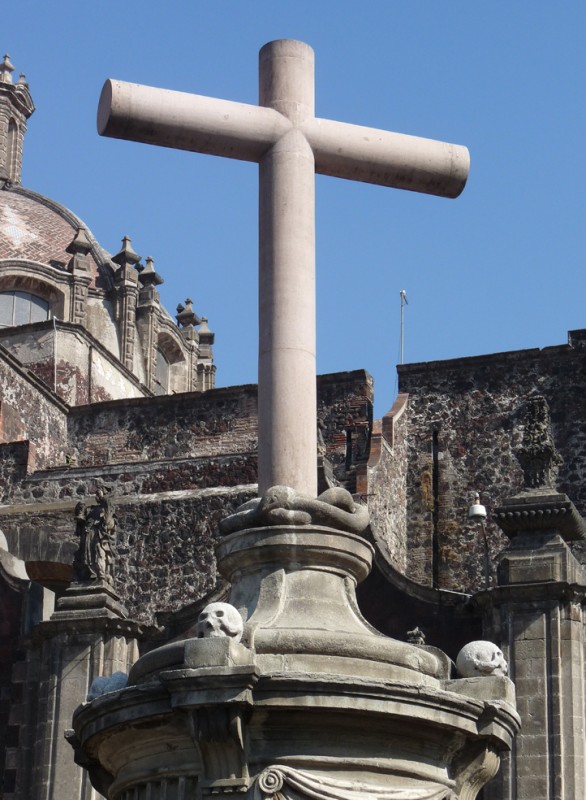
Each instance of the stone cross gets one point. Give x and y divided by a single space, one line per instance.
290 144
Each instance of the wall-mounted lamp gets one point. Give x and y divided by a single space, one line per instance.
477 513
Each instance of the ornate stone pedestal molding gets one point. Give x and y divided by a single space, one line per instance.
311 702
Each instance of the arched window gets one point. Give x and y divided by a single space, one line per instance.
162 373
20 308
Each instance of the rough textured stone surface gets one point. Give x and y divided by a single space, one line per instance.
175 465
11 602
71 362
178 426
383 480
29 412
464 429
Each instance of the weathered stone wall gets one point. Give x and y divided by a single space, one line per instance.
71 362
16 460
212 424
383 481
30 412
344 410
175 465
465 424
166 547
217 423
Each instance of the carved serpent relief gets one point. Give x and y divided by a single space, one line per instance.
281 505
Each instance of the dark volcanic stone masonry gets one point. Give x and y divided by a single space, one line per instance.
464 426
175 465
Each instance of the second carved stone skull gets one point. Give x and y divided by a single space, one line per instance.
219 620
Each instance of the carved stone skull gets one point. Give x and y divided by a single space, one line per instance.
480 658
219 620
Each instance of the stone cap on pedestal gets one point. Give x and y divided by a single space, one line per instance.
540 510
89 599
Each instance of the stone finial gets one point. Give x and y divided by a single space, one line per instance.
416 636
537 455
219 620
22 81
6 70
80 244
148 276
186 315
206 336
126 257
481 659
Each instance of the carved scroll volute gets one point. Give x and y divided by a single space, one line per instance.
475 767
220 735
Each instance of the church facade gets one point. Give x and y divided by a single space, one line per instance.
104 394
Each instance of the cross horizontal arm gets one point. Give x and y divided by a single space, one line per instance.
388 159
246 132
187 121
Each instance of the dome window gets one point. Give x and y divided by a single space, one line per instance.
22 308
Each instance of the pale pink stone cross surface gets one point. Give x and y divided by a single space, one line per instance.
290 144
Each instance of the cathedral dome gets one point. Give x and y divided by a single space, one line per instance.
34 228
90 324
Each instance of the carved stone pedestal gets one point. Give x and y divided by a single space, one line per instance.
87 636
537 614
96 599
311 703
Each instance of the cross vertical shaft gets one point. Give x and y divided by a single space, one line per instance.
287 407
290 144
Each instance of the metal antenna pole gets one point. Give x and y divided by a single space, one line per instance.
404 303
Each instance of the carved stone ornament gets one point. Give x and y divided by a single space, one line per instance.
220 735
286 782
219 620
416 636
280 505
537 455
480 658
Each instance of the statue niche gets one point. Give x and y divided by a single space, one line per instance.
96 530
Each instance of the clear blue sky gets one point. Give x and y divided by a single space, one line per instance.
500 268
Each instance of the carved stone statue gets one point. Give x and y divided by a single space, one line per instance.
96 529
537 455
